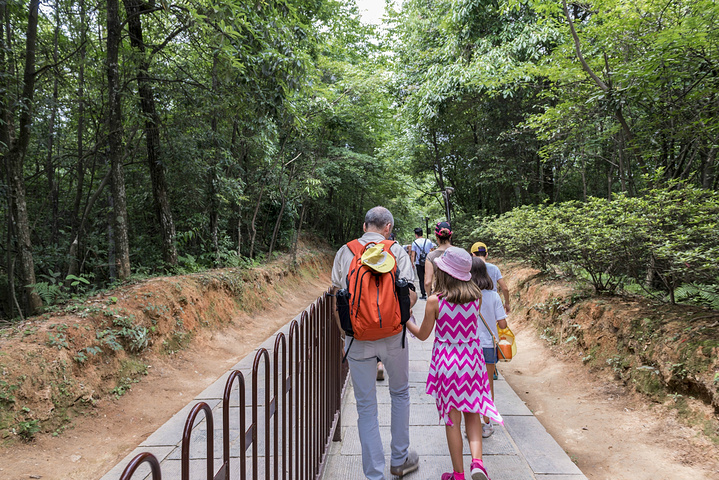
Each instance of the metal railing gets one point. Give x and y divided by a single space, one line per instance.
296 398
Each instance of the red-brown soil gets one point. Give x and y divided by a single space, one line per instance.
225 324
579 369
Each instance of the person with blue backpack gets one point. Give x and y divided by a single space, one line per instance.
372 284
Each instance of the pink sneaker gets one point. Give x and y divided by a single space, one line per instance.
478 470
452 476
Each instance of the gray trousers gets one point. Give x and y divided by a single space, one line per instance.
362 358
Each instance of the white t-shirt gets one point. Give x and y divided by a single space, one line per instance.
420 245
494 274
492 310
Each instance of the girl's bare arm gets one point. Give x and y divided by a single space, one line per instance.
430 315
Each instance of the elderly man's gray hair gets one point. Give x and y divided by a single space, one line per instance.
378 217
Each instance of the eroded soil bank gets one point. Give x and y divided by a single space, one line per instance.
84 414
626 386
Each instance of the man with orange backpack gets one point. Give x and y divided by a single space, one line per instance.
370 279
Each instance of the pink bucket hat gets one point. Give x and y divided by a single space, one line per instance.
456 262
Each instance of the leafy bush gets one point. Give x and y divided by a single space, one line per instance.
669 238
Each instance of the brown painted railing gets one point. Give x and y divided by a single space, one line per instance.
296 398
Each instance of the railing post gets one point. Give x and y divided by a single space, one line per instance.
261 354
141 458
187 434
234 375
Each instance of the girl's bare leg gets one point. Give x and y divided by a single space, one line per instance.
474 433
491 367
454 440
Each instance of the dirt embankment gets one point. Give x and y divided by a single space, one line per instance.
58 366
669 353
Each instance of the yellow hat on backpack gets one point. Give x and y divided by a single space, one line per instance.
377 259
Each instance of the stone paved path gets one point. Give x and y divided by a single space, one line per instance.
520 450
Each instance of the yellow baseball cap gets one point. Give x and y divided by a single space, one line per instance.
479 247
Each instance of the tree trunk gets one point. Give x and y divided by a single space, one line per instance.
4 142
214 211
620 158
111 261
708 168
114 127
16 160
53 185
253 225
618 114
584 176
239 230
74 267
80 167
277 225
214 204
283 196
297 234
163 211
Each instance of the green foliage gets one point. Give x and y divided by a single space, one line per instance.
123 334
82 355
6 392
706 295
49 292
670 234
27 429
285 116
129 373
57 340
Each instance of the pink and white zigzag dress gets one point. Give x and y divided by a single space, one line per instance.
457 373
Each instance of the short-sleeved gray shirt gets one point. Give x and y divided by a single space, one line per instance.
344 256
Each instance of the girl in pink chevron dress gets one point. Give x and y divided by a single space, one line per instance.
457 376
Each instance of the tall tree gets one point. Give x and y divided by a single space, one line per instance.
135 9
16 149
119 235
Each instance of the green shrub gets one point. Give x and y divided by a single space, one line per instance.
667 238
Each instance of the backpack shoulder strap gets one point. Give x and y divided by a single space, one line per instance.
388 246
355 246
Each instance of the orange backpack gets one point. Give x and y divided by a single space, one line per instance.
374 308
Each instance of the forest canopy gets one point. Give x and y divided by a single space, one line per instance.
167 137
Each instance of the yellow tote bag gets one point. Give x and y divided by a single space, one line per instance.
507 344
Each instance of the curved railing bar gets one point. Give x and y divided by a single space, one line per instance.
306 394
294 349
313 391
280 392
187 434
139 460
303 371
261 354
234 375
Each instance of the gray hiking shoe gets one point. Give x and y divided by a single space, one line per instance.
409 465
